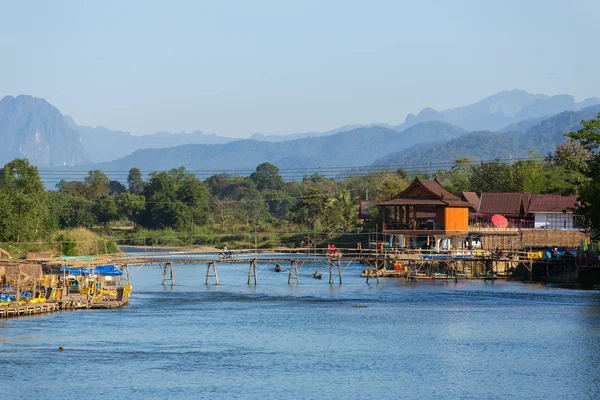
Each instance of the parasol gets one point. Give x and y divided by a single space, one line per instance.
499 221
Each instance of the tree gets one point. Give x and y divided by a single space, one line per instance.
223 209
105 211
573 156
589 187
74 188
135 182
70 211
342 213
311 209
194 194
23 202
130 206
116 187
97 184
162 210
492 176
252 206
457 179
267 177
175 199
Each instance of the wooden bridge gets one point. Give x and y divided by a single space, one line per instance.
409 264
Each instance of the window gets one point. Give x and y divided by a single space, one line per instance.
561 221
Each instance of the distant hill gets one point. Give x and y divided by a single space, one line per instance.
353 148
500 110
542 137
294 136
103 144
34 129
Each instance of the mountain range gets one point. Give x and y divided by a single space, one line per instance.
516 141
103 144
504 124
342 149
500 110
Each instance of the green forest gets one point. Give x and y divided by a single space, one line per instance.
175 208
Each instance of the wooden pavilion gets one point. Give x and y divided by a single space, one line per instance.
424 211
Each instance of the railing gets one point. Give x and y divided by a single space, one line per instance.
486 224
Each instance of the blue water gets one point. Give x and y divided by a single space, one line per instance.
431 340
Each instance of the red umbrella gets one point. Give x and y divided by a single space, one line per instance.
499 221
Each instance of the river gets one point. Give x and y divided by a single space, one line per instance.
431 340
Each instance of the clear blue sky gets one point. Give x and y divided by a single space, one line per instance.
239 67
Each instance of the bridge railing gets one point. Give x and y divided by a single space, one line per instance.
320 252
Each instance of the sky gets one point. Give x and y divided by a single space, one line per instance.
235 68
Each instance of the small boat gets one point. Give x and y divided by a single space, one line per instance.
317 275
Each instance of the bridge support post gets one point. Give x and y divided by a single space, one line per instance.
339 272
369 271
212 266
168 268
330 272
252 272
293 272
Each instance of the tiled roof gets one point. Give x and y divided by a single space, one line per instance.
412 202
471 198
431 193
435 187
551 203
503 203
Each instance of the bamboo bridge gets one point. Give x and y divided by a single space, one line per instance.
401 263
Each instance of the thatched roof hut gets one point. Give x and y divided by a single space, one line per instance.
24 274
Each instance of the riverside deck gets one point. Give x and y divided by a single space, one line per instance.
17 310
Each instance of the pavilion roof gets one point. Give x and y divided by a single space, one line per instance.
421 192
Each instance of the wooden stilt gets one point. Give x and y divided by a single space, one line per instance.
168 268
252 272
339 267
455 272
530 270
293 272
331 272
212 266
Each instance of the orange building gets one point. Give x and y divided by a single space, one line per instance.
424 211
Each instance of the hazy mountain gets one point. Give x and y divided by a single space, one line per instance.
34 129
294 136
352 148
542 137
500 110
103 144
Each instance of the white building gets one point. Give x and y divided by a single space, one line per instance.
553 212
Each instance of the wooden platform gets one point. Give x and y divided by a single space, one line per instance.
17 310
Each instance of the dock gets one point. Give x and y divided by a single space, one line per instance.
33 288
10 310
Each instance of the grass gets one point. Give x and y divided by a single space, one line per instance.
71 242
